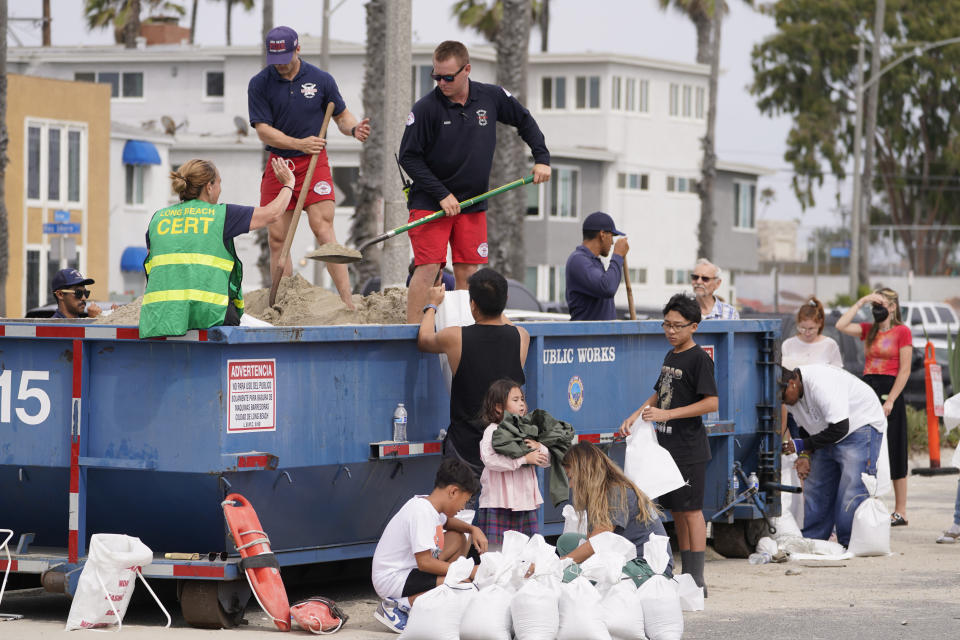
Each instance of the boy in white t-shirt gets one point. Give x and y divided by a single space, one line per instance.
420 542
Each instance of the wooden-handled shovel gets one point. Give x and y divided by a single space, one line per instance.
626 282
295 220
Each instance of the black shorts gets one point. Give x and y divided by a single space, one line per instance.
418 582
690 496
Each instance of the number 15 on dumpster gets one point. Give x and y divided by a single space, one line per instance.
25 395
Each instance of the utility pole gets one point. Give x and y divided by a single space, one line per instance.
857 182
318 266
866 189
396 252
45 29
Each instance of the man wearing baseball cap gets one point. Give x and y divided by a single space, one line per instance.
287 101
590 286
69 289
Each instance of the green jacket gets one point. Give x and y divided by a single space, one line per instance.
555 435
192 275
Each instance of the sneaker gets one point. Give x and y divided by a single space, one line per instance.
950 536
392 614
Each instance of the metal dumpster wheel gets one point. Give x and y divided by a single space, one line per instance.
739 539
201 606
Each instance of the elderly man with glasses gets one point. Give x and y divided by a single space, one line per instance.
447 148
70 292
705 279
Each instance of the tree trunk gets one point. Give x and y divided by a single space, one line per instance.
193 21
229 21
131 26
263 260
709 168
506 212
866 190
366 221
4 245
544 24
46 23
704 24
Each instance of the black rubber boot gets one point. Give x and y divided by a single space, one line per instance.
695 569
685 562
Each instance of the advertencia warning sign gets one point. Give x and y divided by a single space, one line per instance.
253 398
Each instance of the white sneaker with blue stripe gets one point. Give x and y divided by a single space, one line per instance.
392 614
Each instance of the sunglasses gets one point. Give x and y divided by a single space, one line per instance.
79 293
437 77
694 277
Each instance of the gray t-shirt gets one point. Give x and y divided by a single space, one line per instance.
625 523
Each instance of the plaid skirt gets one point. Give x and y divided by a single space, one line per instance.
493 522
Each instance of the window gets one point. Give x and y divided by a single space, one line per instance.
533 193
345 185
33 278
701 95
681 184
213 85
564 193
128 84
421 81
687 101
33 163
73 166
637 276
674 99
557 283
134 183
530 279
53 164
588 92
916 318
631 94
675 276
645 96
946 315
744 198
633 181
615 91
553 93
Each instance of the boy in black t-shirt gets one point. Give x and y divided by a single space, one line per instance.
685 391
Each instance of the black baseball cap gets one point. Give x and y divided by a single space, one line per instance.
66 278
600 221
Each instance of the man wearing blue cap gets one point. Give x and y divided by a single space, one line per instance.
287 101
70 291
591 287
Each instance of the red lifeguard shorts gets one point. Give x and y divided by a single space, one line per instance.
466 233
320 189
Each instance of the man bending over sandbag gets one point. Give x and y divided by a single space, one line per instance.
841 427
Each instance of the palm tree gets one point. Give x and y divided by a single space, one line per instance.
505 23
246 5
4 248
364 224
124 16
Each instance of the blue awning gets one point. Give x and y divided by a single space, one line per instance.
132 259
140 152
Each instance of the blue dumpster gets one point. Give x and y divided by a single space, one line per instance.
103 432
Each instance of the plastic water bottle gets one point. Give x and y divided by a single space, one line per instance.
759 558
754 481
736 483
400 423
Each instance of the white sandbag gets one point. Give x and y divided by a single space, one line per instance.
487 617
604 568
870 534
574 522
622 612
791 504
107 581
662 615
691 596
955 462
535 607
454 311
436 615
951 412
580 614
608 541
650 466
247 320
767 545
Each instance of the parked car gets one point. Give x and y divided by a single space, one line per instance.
934 317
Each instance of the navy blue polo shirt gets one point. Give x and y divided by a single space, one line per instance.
448 147
295 107
590 287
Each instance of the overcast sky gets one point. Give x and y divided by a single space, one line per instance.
635 27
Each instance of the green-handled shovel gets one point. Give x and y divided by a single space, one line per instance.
343 255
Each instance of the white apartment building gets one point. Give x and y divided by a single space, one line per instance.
624 134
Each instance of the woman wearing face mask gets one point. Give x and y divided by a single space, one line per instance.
889 352
809 346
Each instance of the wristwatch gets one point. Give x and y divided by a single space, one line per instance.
430 306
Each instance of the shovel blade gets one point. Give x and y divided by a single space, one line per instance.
335 253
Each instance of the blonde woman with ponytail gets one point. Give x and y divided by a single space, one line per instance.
611 502
888 355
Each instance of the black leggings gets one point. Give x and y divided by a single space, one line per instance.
896 425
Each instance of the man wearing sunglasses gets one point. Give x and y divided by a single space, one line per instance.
69 289
705 279
447 148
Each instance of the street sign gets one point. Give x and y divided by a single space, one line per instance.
839 252
61 216
61 227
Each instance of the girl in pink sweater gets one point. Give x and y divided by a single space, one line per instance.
509 494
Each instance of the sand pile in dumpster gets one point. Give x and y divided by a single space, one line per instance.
299 303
